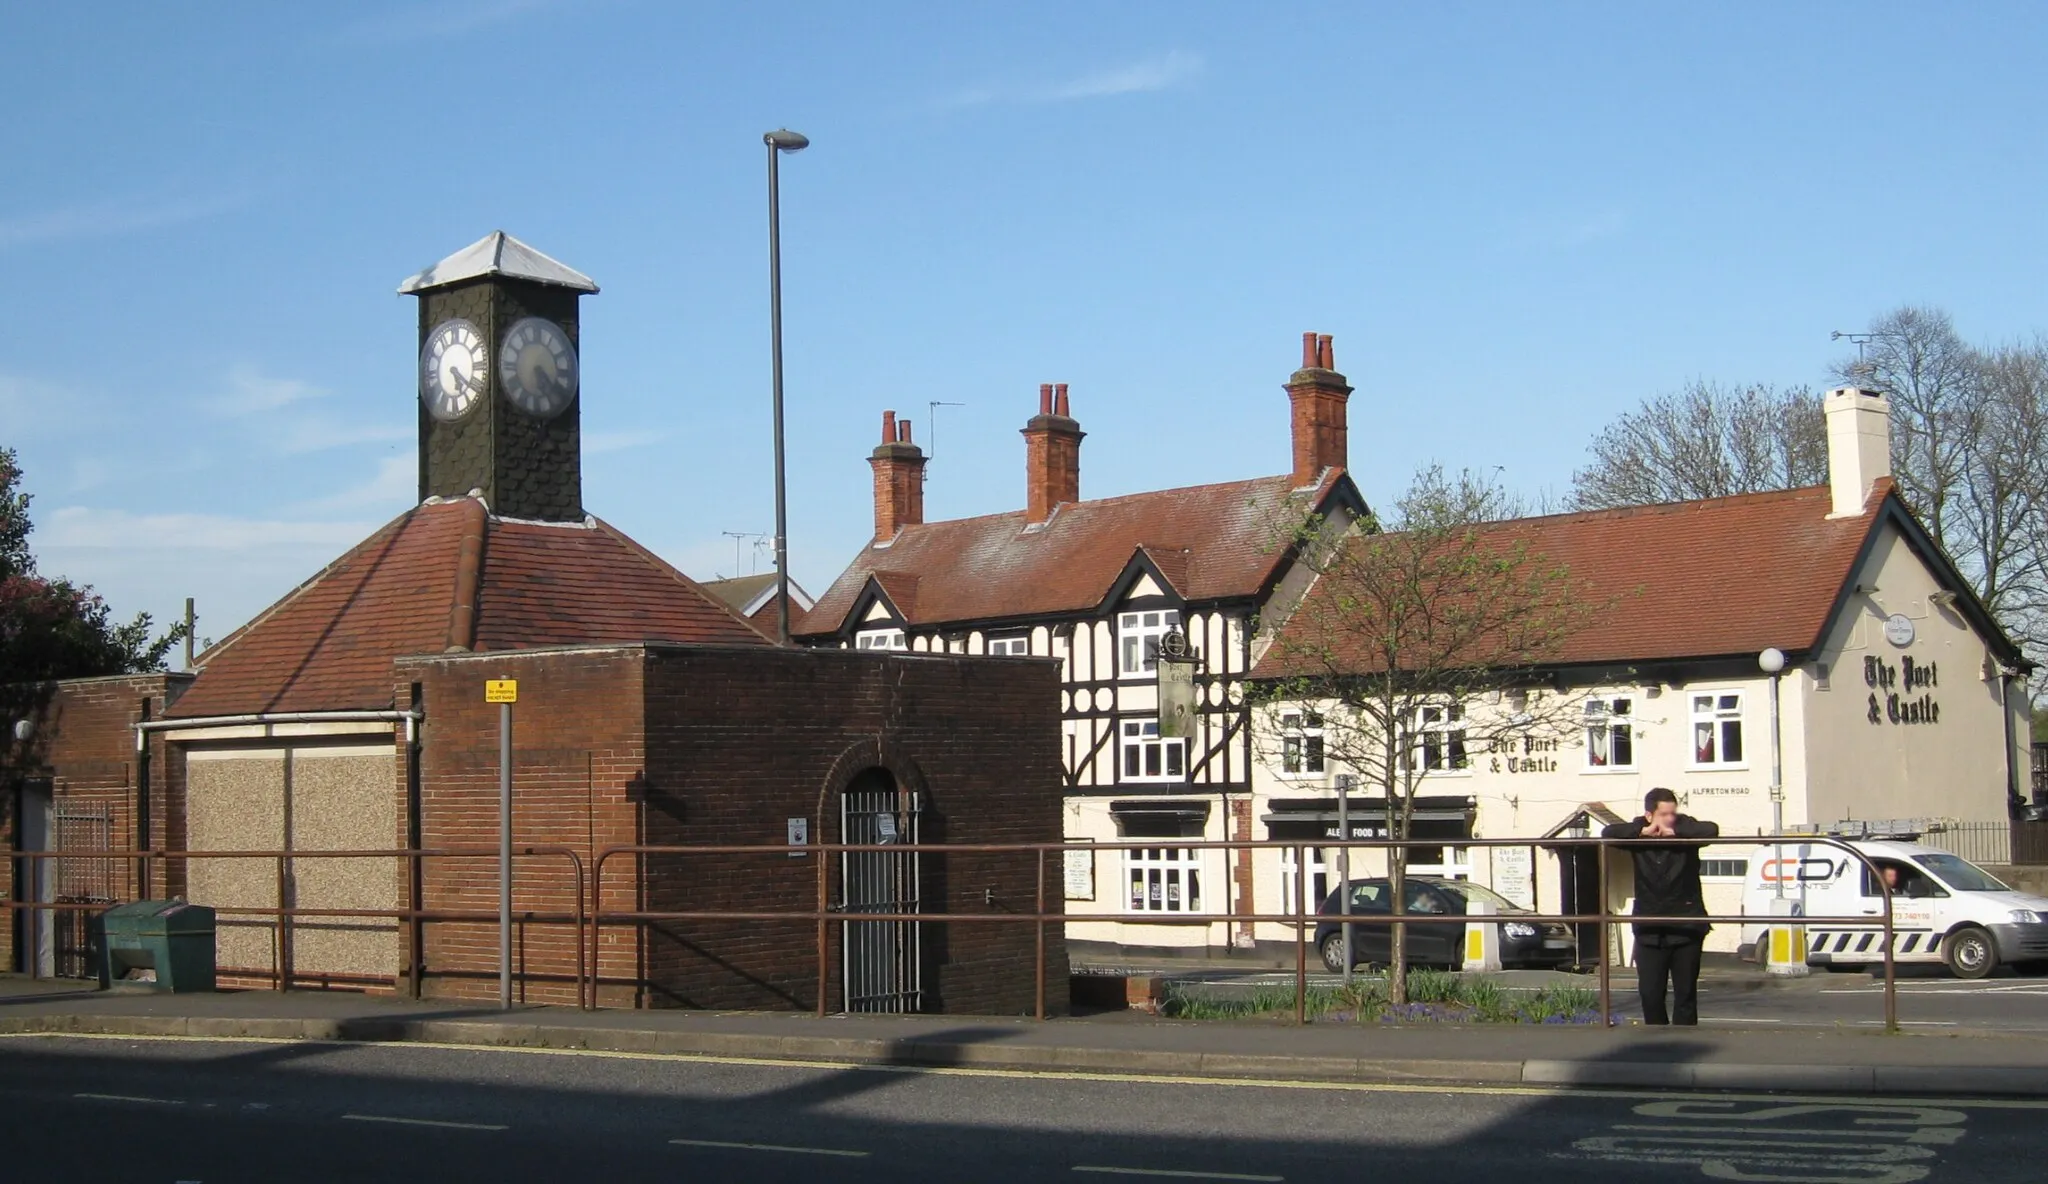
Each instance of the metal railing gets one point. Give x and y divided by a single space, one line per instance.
1978 842
282 919
588 917
822 916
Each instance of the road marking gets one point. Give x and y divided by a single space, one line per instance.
1171 1174
1353 1087
453 1126
129 1098
1727 1140
840 1151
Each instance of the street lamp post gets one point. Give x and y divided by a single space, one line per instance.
1772 662
779 141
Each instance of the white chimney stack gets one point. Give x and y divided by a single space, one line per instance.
1859 446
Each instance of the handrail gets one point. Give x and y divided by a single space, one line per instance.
824 916
284 914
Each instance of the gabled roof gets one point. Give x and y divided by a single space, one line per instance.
498 253
445 575
1212 542
1720 577
748 595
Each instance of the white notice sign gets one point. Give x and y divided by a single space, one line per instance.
1514 875
799 835
1080 873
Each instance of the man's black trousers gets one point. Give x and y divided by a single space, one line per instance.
1662 956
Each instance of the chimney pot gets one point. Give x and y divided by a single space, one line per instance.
1052 455
899 479
1320 397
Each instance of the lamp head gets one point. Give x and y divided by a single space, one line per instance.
1771 661
784 140
23 729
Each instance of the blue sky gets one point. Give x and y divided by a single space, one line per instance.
1517 220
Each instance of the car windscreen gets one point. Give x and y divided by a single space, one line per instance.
1471 892
1960 874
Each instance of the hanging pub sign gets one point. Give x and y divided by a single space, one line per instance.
1176 686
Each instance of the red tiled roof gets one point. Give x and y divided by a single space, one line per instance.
406 590
1718 577
1211 542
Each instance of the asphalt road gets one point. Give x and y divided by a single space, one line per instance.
211 1112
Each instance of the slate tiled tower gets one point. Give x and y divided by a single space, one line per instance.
527 466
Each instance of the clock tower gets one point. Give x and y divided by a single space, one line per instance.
499 379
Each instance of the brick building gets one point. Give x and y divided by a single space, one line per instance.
350 716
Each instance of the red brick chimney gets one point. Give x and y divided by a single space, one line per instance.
899 478
1052 455
1319 394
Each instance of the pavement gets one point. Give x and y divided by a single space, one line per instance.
1829 1059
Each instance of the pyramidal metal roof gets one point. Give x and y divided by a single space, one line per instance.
498 253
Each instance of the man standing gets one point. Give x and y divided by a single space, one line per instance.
1667 885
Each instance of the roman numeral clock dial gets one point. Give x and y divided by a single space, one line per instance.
454 370
537 367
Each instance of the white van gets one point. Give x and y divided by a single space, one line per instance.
1944 908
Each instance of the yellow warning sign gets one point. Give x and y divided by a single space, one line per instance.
501 690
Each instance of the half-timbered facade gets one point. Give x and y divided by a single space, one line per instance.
1104 587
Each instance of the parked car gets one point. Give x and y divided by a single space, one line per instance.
1523 944
1945 909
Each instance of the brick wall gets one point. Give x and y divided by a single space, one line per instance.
702 745
84 743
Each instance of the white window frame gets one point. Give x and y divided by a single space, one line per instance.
1163 879
1140 737
1719 717
1137 640
1018 646
1608 732
1303 756
1445 720
880 639
1322 870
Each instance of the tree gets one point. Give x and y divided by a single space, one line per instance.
1419 645
1706 440
52 628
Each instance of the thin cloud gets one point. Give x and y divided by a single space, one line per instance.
105 219
73 528
290 414
1159 72
597 442
395 485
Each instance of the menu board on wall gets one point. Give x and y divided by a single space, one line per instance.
1514 875
1080 873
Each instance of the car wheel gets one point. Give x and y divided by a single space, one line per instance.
1333 953
1970 954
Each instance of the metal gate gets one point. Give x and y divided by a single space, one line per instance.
80 827
884 959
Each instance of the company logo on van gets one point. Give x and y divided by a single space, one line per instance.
1805 871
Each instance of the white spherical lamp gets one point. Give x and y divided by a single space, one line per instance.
1771 661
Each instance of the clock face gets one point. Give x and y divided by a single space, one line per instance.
537 367
454 369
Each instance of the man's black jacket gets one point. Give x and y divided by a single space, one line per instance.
1667 874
